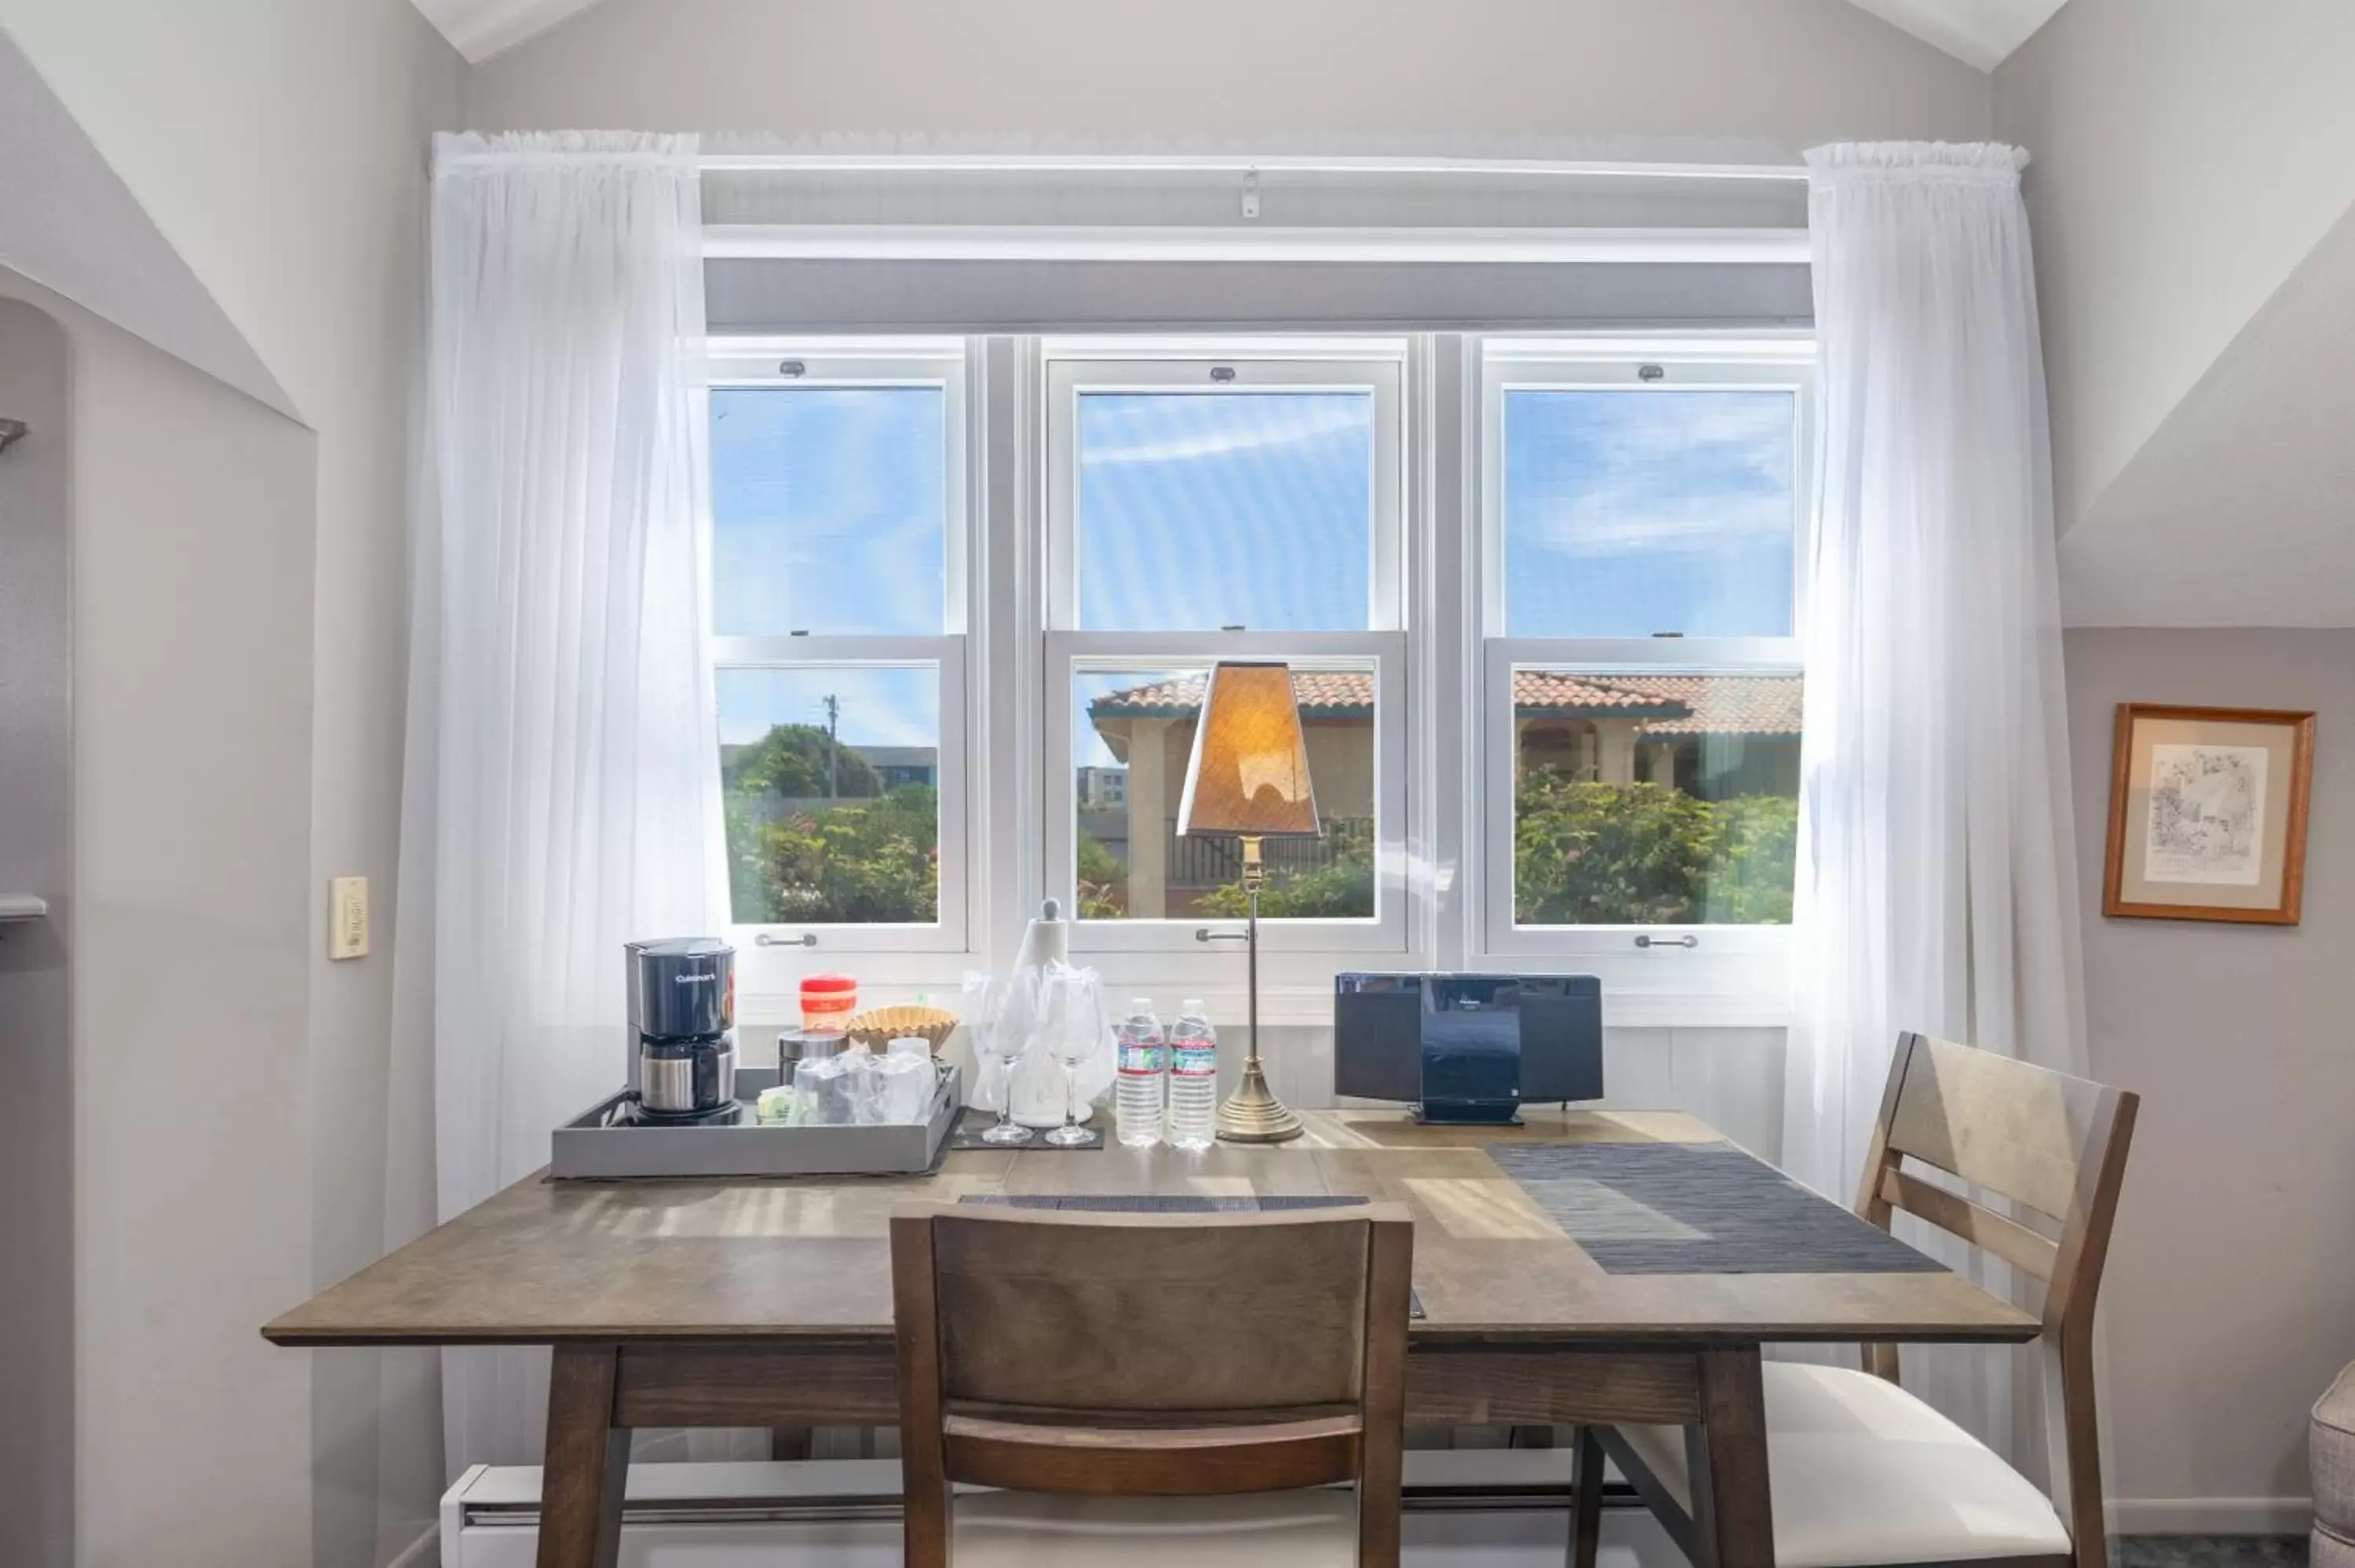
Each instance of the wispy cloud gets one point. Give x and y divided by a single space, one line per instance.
1614 474
1633 520
1164 428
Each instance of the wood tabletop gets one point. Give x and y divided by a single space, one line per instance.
687 1260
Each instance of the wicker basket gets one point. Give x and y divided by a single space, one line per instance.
879 1026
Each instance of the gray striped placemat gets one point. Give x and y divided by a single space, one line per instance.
1180 1203
1697 1208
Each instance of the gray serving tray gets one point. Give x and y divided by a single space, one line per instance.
590 1147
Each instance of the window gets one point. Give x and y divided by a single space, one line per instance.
1641 685
1538 597
839 542
1213 501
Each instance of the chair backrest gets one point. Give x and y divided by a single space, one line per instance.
2053 1145
1151 1355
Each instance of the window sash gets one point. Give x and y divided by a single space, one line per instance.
1761 363
773 956
1728 962
1074 367
758 363
1499 775
1073 654
947 654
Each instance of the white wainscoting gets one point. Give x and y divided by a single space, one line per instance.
1730 1078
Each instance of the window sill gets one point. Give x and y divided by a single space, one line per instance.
1294 1005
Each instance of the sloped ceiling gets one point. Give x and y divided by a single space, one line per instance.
481 28
69 223
2237 512
1981 32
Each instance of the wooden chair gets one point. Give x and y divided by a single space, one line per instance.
1860 1471
1151 1388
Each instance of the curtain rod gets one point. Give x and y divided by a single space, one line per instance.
1238 163
1243 243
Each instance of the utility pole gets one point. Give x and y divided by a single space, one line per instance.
833 747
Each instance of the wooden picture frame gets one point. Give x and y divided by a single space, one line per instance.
2208 814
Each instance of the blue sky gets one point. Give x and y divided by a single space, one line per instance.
1627 514
1204 510
1630 514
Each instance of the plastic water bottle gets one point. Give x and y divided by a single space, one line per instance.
1193 1077
1144 1069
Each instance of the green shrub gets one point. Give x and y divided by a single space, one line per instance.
873 863
1341 890
1633 855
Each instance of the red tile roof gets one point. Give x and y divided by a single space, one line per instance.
1666 705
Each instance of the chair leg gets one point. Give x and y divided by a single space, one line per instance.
1586 1500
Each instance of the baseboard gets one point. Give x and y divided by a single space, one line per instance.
2210 1516
425 1552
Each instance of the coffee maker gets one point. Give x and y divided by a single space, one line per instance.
682 1021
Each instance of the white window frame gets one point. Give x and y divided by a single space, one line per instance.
1181 948
775 956
1736 964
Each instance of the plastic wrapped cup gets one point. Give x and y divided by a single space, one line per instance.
826 1092
904 1086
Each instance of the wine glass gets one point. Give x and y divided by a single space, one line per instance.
1074 1030
989 1054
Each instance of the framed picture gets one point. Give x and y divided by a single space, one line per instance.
2208 813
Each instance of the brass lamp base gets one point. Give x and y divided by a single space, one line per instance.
1253 1114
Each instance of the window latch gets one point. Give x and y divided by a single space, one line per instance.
768 940
1251 195
1645 939
1206 935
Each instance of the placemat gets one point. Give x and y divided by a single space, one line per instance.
1697 1208
1177 1204
972 1121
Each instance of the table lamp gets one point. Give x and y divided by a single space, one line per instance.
1248 780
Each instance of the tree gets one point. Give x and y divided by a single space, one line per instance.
789 762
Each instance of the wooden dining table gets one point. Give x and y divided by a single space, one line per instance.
768 1302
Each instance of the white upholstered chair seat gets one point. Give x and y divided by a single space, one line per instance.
1045 1529
1862 1473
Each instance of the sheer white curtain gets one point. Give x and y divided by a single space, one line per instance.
1937 886
562 796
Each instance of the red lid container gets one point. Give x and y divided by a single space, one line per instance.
827 999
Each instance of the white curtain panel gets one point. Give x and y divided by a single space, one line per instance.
1936 885
562 765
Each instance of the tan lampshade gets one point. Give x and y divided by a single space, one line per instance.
1250 771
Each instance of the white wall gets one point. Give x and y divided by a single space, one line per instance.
1765 76
191 765
2186 154
36 859
282 147
2230 1298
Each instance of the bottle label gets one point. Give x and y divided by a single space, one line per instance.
1196 1058
1141 1057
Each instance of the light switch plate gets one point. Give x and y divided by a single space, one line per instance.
347 918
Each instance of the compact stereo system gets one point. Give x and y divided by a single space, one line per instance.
1468 1049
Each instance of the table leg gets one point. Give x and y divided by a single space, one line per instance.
587 1461
1733 1520
1586 1500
